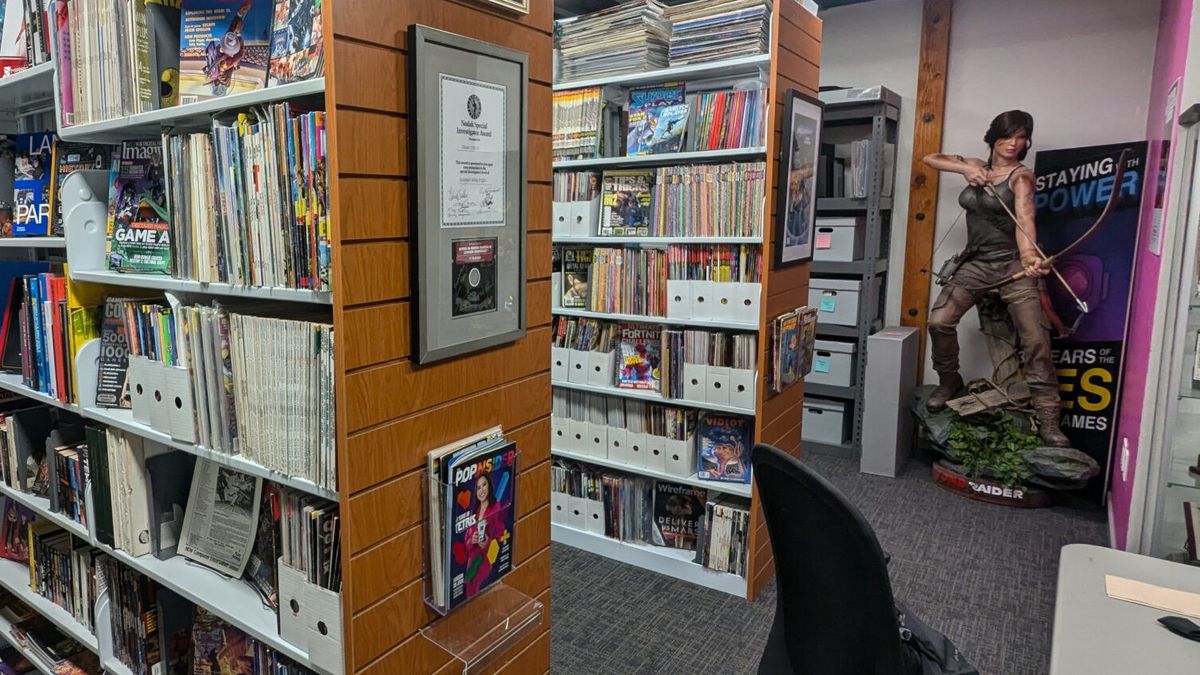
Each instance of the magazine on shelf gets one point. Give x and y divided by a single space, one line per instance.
678 513
72 157
640 359
724 448
139 238
33 184
626 197
297 51
657 120
576 272
224 48
222 517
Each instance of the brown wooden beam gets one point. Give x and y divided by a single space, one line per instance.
923 187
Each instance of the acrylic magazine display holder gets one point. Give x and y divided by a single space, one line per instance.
484 627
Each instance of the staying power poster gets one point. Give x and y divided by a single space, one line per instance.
1073 188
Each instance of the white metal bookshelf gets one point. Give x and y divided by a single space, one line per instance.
33 242
723 69
654 397
676 563
166 283
739 489
660 320
199 114
6 632
30 86
121 418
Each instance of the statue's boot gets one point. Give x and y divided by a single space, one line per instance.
950 385
1052 436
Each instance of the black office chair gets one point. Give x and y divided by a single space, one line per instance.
834 610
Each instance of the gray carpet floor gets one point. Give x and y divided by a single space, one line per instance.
983 574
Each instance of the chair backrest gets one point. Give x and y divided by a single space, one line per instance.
833 594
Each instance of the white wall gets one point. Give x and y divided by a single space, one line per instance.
879 43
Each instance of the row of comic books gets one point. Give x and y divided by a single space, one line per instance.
260 387
576 122
628 281
702 347
701 200
793 338
471 490
50 649
656 419
642 510
24 35
59 564
134 56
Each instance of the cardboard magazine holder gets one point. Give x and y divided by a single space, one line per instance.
310 617
578 364
181 409
601 368
742 388
585 216
85 218
654 456
561 215
560 359
681 457
141 401
747 304
596 441
679 299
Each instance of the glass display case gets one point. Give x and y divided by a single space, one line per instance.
1173 485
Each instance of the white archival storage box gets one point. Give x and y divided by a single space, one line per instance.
890 377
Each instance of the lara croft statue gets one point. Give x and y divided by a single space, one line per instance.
997 249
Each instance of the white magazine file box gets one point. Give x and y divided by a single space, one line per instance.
679 299
310 617
618 444
600 368
717 392
140 394
181 409
594 515
562 216
695 381
748 302
741 388
681 457
578 365
560 359
655 457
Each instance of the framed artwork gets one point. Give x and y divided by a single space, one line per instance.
468 169
521 6
796 212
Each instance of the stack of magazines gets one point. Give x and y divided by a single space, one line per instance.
622 39
712 30
472 503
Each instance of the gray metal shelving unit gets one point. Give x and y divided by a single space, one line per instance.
875 117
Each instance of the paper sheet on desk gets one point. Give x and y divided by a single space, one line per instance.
1158 597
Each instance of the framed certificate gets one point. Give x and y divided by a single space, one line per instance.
467 139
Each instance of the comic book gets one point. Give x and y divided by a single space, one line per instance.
224 48
576 273
657 119
33 184
479 506
678 513
724 448
71 157
139 237
808 338
626 198
14 531
297 49
640 360
217 647
787 350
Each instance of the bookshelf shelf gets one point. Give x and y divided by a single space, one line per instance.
660 320
41 506
15 577
653 397
150 124
724 69
856 267
728 488
6 632
665 159
30 86
33 242
166 283
656 241
121 418
675 563
831 391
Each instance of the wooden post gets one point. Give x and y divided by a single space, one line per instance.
923 189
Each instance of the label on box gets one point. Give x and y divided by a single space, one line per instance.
821 364
823 241
828 304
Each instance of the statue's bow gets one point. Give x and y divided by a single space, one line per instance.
1049 260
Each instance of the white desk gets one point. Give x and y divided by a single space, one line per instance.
1097 635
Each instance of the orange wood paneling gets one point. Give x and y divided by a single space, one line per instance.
377 333
373 208
372 143
374 272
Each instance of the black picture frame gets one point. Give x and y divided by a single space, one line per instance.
800 148
467 233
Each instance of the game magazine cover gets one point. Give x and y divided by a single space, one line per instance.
14 531
576 270
808 338
297 51
640 360
657 119
111 390
678 513
724 451
481 511
224 47
625 203
33 184
787 350
139 229
71 157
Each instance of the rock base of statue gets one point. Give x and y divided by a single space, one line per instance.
986 491
1049 468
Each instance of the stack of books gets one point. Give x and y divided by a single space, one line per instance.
626 38
713 30
577 117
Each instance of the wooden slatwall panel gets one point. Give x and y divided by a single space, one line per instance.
392 410
796 44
